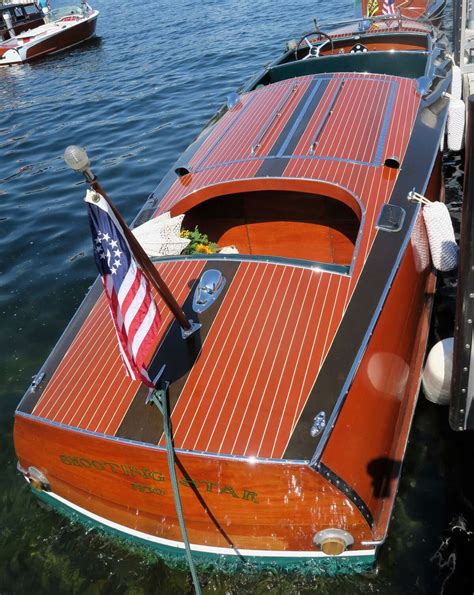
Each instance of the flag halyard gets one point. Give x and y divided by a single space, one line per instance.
127 288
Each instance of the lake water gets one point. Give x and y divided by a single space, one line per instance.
135 97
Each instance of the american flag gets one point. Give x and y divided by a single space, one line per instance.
133 309
388 7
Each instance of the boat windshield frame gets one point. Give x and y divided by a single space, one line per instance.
79 10
365 22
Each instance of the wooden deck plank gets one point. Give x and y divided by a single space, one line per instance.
89 389
269 339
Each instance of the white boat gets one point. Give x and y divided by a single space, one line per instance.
53 32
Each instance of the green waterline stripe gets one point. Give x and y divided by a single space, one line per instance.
317 562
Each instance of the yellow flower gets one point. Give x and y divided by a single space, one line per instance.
184 233
203 249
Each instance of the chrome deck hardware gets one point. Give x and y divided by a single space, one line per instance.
37 380
391 218
208 290
277 112
319 423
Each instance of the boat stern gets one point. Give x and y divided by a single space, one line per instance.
237 510
9 55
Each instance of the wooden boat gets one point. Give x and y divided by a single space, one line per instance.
18 17
291 406
29 34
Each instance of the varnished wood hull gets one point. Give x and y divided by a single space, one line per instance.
235 508
286 343
49 44
258 510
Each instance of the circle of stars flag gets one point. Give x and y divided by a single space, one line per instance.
127 288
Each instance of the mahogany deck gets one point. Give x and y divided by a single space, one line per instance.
89 389
247 399
262 353
375 127
374 114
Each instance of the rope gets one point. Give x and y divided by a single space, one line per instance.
160 398
416 197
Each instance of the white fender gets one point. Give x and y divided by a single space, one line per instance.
456 119
439 227
456 85
436 380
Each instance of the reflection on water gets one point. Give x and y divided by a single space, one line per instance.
135 98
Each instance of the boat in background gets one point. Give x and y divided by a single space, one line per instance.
18 17
292 403
431 10
29 34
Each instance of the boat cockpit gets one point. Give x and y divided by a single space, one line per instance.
281 224
386 52
16 18
406 64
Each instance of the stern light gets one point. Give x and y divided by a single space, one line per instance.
78 160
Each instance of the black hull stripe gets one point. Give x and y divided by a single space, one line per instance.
346 489
143 423
349 344
291 134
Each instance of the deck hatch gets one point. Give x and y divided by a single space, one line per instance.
277 113
358 119
355 108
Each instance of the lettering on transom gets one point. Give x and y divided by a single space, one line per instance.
137 474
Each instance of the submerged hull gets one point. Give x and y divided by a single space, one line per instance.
291 405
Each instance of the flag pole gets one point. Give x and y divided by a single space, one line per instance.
144 261
76 157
